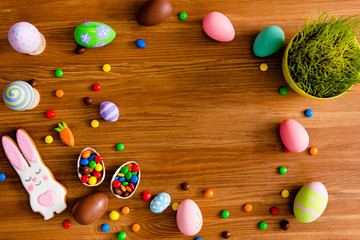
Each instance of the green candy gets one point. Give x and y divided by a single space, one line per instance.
121 236
125 183
225 214
128 175
182 16
282 170
134 173
124 170
283 90
93 34
92 164
262 225
59 73
119 146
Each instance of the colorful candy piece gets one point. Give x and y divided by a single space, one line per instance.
125 210
208 193
114 215
135 227
66 135
26 38
94 34
66 224
146 196
50 114
49 139
248 207
225 214
182 16
96 87
109 111
121 236
140 43
262 225
105 227
160 202
21 96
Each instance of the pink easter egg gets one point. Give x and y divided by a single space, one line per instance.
188 218
24 37
217 26
294 136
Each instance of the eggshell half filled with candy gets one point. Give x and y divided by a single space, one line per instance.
160 202
188 218
217 26
310 202
90 208
85 169
294 136
268 41
154 12
26 38
109 111
94 34
127 178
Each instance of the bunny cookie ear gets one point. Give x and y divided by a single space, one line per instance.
27 145
13 154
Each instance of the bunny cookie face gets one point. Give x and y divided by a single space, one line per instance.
46 194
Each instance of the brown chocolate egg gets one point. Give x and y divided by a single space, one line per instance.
154 12
90 208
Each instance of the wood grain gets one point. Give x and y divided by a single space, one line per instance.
192 109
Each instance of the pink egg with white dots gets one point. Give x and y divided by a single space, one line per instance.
24 37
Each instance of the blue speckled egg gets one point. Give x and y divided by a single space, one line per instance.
268 41
109 111
160 202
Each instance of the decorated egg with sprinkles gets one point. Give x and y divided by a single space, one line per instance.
20 96
94 34
160 202
310 202
109 111
24 37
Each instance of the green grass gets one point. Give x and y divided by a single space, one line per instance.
324 58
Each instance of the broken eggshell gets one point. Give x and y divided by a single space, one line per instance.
115 175
103 167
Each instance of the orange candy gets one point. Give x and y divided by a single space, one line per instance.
248 207
135 227
122 187
129 166
208 193
91 169
128 189
86 154
313 151
125 210
59 93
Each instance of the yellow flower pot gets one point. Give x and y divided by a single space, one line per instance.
291 82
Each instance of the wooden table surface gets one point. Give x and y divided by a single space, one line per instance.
192 109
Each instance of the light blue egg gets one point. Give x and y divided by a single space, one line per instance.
160 202
268 41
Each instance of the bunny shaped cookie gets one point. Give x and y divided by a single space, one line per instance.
46 194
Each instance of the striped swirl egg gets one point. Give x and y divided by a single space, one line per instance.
109 111
310 202
19 96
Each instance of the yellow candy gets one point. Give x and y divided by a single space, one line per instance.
95 123
114 215
121 175
264 67
285 193
49 139
92 180
175 206
106 68
98 167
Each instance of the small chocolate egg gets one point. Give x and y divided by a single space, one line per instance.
90 208
94 34
154 12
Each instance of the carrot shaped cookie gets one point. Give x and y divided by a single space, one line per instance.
66 135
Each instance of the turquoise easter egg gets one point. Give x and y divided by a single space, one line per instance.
310 202
94 34
268 41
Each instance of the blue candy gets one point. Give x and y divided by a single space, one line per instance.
105 227
84 162
309 113
122 179
92 157
134 179
2 177
140 43
198 238
117 178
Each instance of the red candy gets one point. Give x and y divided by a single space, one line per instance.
132 186
85 178
146 196
274 211
135 168
66 224
50 114
97 174
96 87
116 183
98 159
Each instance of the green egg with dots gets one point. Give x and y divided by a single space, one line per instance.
310 202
